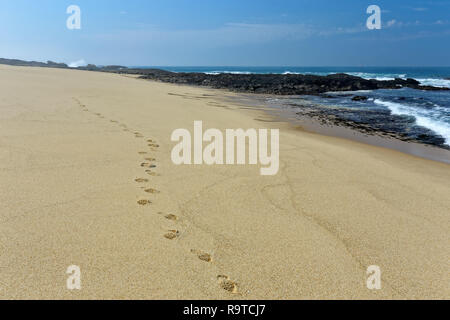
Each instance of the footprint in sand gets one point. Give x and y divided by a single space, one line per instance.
153 145
169 216
202 255
151 190
150 159
151 173
144 202
172 234
148 165
141 180
226 284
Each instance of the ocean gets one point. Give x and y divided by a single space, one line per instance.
412 113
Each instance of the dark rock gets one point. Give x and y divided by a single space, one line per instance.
412 81
290 84
52 64
91 67
113 68
360 98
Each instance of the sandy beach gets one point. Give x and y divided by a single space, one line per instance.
87 179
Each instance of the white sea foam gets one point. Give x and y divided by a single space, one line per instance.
383 78
435 82
215 73
424 118
386 77
76 64
377 76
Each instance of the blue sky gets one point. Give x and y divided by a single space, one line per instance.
228 32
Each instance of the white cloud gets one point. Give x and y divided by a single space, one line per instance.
396 23
391 23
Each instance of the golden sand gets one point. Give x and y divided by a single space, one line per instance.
73 192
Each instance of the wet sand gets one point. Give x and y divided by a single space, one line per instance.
380 139
87 180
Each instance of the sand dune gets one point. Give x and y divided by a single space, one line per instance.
87 180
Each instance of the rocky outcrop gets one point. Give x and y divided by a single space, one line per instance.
280 84
16 62
52 64
359 98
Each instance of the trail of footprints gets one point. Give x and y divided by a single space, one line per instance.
148 163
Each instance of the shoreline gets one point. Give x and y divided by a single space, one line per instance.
88 180
374 138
